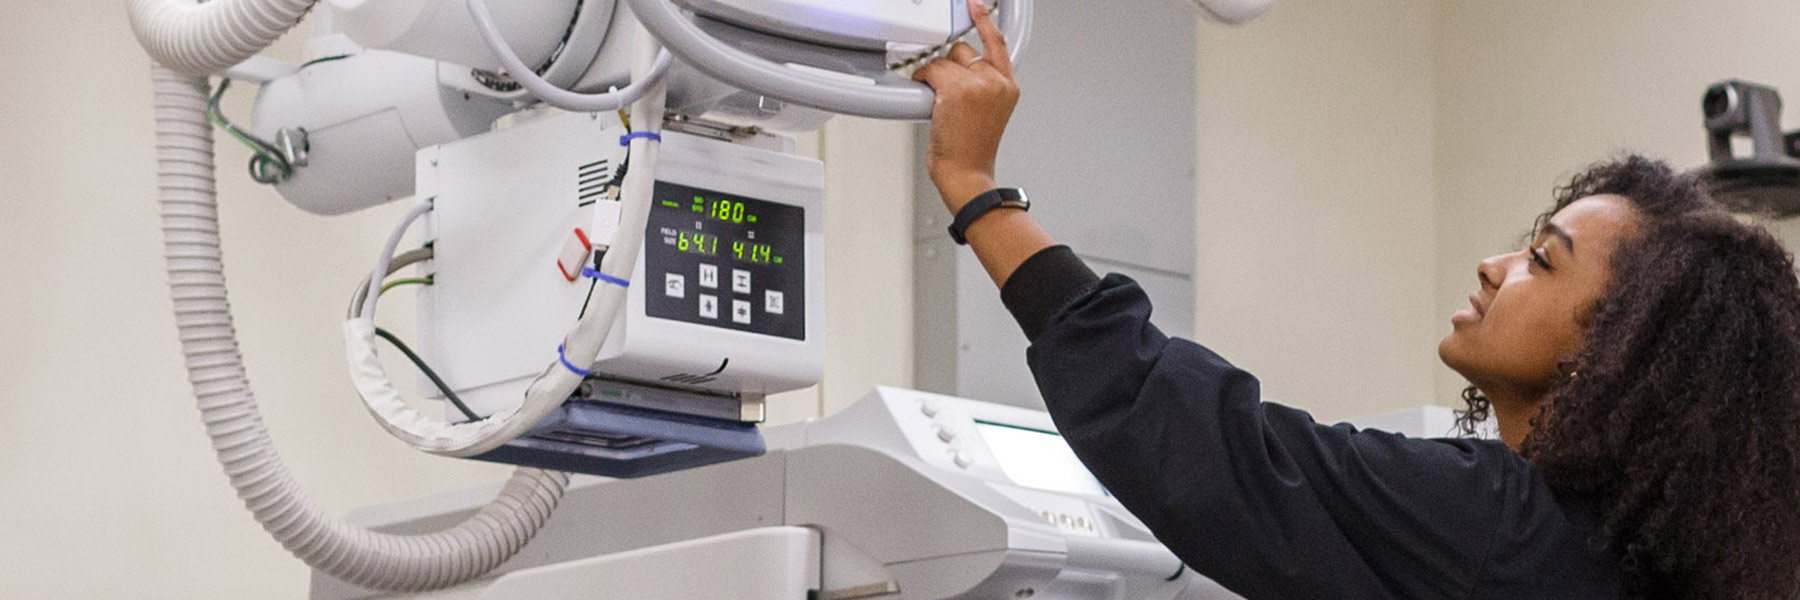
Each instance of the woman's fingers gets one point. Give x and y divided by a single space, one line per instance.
991 40
931 74
975 98
963 54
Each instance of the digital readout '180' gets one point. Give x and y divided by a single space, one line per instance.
721 209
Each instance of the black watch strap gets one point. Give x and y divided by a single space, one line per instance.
989 200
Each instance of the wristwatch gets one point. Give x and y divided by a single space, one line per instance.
989 200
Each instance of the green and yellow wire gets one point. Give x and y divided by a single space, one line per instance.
268 165
427 280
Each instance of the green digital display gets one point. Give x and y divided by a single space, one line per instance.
724 210
761 254
725 260
694 242
697 243
721 209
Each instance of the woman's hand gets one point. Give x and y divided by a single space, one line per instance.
975 98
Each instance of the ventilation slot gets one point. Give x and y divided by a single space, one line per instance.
591 181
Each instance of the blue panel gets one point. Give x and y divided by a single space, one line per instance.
621 441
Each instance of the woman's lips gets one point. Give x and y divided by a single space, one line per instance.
1473 314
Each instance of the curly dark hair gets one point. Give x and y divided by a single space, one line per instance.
1679 419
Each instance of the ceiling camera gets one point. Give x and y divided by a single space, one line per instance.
1766 180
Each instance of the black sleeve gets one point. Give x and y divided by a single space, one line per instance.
1254 495
1043 284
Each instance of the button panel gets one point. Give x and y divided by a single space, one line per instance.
743 257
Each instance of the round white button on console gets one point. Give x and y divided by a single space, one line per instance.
946 434
962 460
929 408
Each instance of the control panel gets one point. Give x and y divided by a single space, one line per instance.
724 260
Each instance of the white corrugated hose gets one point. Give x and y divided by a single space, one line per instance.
204 38
197 39
209 345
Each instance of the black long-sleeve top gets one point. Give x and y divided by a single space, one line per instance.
1266 502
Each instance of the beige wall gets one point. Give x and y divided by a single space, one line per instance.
107 485
1315 240
1530 92
108 488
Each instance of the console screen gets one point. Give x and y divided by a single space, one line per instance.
1038 459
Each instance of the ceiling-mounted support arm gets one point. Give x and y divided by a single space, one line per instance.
894 98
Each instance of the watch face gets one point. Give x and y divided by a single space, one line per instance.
1014 195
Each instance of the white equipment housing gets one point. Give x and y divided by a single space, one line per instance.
442 30
903 495
720 312
875 25
386 78
365 116
508 202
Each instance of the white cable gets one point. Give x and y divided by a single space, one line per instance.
387 256
551 388
548 92
324 541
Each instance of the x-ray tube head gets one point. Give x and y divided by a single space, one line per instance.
1768 180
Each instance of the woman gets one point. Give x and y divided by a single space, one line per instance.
1642 357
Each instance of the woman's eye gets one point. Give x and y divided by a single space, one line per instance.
1537 256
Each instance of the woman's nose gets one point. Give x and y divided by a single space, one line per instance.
1492 271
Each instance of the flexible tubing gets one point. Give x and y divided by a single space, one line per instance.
547 392
197 38
419 208
215 369
548 92
404 260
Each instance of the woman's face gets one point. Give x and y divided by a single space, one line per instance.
1527 315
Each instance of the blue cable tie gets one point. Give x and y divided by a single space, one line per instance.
625 140
596 274
564 357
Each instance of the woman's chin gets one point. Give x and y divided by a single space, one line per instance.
1452 353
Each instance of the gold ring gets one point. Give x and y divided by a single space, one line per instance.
972 61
